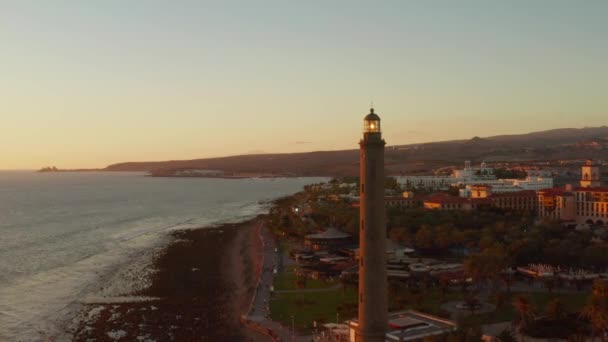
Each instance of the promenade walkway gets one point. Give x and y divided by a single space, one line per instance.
260 310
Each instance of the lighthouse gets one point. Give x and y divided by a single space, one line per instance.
373 288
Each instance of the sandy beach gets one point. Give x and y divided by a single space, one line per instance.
201 285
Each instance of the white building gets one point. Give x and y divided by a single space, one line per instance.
533 183
468 175
501 186
427 182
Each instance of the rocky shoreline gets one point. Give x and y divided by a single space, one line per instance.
201 285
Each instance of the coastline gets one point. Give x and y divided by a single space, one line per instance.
203 282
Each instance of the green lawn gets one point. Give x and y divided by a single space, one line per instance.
286 280
573 302
323 306
307 307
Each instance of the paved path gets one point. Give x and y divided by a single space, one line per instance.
325 289
260 308
497 328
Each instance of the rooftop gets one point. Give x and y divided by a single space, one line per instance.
454 199
554 192
593 189
522 193
330 233
413 325
446 199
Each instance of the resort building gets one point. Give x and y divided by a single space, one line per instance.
590 174
427 182
484 188
475 191
556 204
332 238
524 200
410 326
469 172
407 200
459 176
587 204
474 177
531 183
454 203
592 205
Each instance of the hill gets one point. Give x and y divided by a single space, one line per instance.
556 144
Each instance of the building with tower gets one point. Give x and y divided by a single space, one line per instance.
585 205
372 320
590 175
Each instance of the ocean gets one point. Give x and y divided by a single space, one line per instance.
62 234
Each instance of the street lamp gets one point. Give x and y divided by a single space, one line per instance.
293 327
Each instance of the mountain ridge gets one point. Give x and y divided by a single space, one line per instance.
554 144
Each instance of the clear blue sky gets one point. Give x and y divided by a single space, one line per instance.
88 83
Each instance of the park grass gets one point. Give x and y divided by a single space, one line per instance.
322 306
286 280
572 301
306 307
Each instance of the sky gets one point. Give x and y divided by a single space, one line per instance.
90 83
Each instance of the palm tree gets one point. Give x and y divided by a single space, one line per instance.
556 309
596 311
300 282
525 309
600 288
471 302
549 284
500 300
506 336
444 285
508 280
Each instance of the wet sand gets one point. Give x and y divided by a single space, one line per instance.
204 282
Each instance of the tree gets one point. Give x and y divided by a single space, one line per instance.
549 284
391 184
471 302
508 280
506 336
467 331
425 237
600 288
399 234
556 309
300 282
444 285
525 311
348 279
444 236
596 311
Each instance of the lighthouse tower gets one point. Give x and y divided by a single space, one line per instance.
373 288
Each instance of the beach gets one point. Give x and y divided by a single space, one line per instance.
201 285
